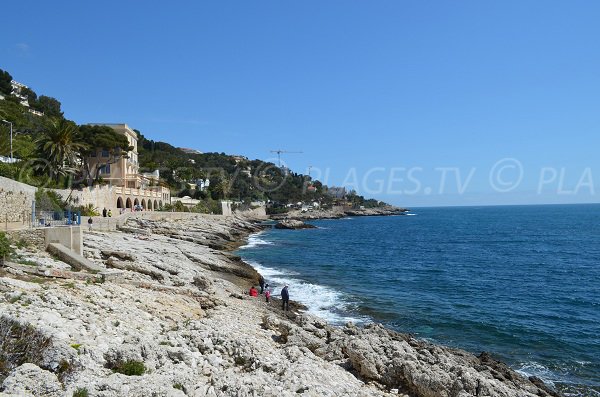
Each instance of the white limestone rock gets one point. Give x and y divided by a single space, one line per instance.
196 338
30 380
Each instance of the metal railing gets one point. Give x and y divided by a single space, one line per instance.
57 218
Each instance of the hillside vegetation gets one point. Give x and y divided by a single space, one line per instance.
53 151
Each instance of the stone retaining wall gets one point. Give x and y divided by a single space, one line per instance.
15 201
31 237
111 197
99 197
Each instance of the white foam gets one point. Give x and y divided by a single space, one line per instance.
254 241
532 368
320 300
583 363
269 271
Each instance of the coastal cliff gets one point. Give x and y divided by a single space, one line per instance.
170 317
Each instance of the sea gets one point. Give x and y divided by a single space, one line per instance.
520 282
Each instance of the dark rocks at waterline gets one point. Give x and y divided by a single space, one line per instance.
339 212
380 211
293 224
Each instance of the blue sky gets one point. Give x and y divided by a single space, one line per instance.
416 103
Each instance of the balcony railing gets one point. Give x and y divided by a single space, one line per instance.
154 191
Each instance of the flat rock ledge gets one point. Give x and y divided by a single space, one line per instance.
293 224
176 320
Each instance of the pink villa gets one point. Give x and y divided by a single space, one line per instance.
127 188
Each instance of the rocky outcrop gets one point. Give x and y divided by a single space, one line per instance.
293 224
401 362
177 321
423 369
340 212
21 342
31 380
378 211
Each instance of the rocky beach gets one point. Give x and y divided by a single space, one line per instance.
169 315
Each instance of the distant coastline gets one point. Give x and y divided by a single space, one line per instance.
340 212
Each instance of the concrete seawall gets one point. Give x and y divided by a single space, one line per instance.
111 224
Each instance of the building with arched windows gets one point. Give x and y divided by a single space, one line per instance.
124 188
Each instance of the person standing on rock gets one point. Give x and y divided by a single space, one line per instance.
109 213
104 213
267 294
90 222
285 299
261 282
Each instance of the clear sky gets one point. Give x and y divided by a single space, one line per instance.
413 102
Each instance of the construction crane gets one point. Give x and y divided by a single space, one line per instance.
279 154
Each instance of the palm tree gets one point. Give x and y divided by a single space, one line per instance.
224 186
59 149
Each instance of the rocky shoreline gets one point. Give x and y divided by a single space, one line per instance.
339 212
172 318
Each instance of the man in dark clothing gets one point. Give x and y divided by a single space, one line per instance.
261 282
104 213
285 299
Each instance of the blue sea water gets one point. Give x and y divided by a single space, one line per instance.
521 282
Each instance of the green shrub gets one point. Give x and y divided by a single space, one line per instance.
277 210
208 206
81 392
5 248
21 343
166 208
179 207
47 200
22 243
9 170
131 368
14 299
64 368
87 210
27 262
